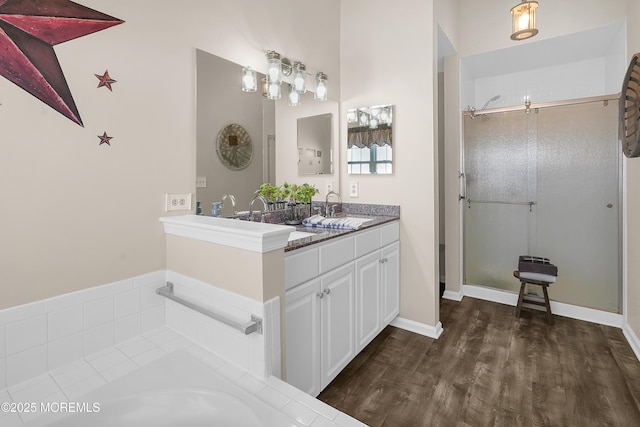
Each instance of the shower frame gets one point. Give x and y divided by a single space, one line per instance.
527 108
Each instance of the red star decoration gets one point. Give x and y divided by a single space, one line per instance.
28 31
105 80
105 139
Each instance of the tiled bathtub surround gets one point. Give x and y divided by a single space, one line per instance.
255 353
45 335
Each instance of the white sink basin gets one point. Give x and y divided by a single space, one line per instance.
357 219
295 235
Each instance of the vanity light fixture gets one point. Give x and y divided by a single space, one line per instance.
523 20
274 67
294 97
273 90
249 80
321 87
300 78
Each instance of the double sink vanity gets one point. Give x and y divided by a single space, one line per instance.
338 288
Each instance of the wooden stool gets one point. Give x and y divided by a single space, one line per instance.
522 298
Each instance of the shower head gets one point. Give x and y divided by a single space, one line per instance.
490 100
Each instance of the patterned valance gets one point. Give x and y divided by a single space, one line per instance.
366 137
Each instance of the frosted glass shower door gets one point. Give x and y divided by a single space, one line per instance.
578 202
500 182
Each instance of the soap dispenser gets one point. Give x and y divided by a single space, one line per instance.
215 210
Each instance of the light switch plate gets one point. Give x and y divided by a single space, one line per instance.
177 202
329 187
353 189
201 181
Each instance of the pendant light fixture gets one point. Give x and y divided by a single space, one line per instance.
249 80
523 20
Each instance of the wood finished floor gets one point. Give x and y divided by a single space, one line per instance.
490 369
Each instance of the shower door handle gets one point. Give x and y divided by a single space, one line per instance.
609 205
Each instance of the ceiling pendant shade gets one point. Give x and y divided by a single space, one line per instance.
523 20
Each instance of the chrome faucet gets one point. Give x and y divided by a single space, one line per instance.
264 202
332 212
233 202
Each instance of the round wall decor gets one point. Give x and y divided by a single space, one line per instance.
630 110
234 147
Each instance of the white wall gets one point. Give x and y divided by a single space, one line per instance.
396 66
633 197
83 214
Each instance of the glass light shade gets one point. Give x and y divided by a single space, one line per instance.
373 123
352 116
385 117
273 90
274 67
300 78
523 20
294 97
249 80
364 119
321 87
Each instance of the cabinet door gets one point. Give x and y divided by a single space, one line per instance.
303 336
390 282
368 309
338 340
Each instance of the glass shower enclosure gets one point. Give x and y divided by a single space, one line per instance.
545 182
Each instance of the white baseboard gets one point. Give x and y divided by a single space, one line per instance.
633 340
557 308
417 327
454 296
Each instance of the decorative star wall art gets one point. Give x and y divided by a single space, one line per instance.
105 139
28 31
105 80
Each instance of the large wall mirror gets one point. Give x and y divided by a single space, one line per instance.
235 134
370 140
315 144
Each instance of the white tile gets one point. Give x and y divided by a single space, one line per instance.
127 328
71 374
196 351
119 370
345 420
66 350
283 387
11 419
317 405
98 312
112 288
21 312
149 356
3 350
174 345
3 374
162 336
26 334
107 359
26 364
250 383
213 360
273 397
67 300
127 303
157 278
148 296
300 413
34 390
77 390
65 322
152 318
52 398
230 371
323 422
98 338
136 346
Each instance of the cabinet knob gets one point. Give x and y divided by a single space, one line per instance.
327 291
320 295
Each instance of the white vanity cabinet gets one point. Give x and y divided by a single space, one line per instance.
339 296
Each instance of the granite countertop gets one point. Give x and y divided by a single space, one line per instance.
324 234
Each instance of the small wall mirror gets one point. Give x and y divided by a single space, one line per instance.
370 140
314 145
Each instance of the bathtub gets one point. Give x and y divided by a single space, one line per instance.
176 390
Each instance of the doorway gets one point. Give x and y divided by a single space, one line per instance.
545 182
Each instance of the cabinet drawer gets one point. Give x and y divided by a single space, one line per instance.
300 267
336 253
389 233
367 241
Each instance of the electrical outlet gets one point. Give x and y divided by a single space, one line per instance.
353 189
178 202
329 187
201 181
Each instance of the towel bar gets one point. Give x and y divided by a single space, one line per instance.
255 325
